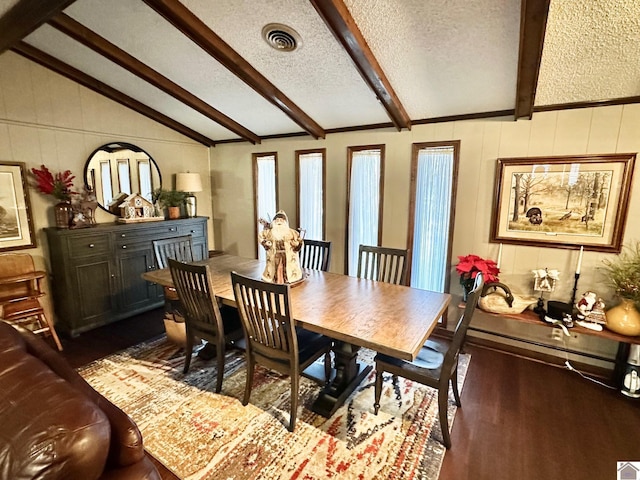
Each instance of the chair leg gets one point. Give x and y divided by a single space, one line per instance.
249 382
378 391
220 357
295 381
188 352
443 403
454 386
52 330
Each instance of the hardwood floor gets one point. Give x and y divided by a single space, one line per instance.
528 420
519 418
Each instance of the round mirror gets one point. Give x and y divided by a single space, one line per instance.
116 170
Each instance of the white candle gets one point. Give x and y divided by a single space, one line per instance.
499 256
579 260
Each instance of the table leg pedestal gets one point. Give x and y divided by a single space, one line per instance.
348 375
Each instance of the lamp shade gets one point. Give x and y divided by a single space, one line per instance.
188 182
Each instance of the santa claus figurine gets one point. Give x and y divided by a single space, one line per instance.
282 245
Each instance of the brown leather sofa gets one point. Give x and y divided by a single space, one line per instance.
54 425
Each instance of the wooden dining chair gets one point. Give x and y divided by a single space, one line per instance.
316 255
20 290
383 264
200 308
435 366
272 339
177 248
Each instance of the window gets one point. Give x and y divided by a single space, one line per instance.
434 170
310 188
265 186
107 191
145 179
124 179
365 177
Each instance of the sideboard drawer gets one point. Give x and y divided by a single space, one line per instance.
195 230
86 245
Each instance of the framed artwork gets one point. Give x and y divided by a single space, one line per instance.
564 202
16 224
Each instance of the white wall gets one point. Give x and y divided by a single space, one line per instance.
614 129
48 119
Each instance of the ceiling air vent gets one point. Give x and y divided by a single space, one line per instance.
281 37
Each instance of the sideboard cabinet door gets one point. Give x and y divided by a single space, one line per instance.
97 272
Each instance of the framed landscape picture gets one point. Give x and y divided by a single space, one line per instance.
16 224
564 202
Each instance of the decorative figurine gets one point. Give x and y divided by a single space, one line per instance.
282 245
84 209
544 281
590 312
585 304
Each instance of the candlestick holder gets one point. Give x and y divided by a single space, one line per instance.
575 289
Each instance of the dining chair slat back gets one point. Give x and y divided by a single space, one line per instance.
178 248
194 286
271 337
383 264
316 255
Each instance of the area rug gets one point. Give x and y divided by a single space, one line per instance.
199 434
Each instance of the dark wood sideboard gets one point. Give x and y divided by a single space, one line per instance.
97 271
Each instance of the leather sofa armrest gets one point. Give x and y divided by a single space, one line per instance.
126 439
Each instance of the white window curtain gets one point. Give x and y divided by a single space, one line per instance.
364 203
311 194
107 191
123 176
144 174
434 184
266 193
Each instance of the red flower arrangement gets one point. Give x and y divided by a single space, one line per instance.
58 186
469 266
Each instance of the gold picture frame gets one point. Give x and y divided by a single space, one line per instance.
16 224
563 202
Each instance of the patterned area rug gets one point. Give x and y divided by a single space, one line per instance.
199 434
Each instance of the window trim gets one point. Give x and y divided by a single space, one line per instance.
254 158
323 152
350 152
415 149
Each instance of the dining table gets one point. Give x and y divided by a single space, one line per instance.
357 313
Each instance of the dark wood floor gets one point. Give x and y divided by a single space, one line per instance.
519 418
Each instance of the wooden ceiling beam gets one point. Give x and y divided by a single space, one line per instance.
533 24
337 17
87 37
97 86
24 17
192 27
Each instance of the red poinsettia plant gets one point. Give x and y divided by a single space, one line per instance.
469 266
57 185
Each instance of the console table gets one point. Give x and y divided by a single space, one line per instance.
528 317
97 271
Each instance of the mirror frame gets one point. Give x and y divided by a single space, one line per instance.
110 148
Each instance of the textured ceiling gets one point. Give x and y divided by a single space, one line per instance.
441 58
591 52
428 49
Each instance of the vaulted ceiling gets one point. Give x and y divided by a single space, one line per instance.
220 71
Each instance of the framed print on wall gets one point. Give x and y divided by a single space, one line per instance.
16 224
563 202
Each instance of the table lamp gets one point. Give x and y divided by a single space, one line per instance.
189 183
